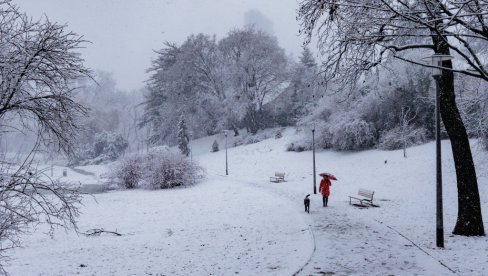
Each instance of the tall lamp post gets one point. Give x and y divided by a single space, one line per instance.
226 163
436 60
313 154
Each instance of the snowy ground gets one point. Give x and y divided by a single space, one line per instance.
243 224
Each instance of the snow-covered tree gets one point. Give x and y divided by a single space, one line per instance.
213 86
186 79
215 146
307 59
183 138
257 69
38 65
106 146
356 37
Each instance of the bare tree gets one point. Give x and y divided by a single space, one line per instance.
405 119
38 65
356 36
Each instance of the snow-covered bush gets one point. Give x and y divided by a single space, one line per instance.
167 170
129 172
303 144
109 145
323 136
356 134
394 139
278 134
215 146
248 138
161 168
299 146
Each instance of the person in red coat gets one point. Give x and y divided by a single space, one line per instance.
324 189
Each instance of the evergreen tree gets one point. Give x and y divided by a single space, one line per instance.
215 146
183 138
307 58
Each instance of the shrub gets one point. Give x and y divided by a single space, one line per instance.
301 145
129 171
249 138
323 137
161 168
215 146
278 134
356 134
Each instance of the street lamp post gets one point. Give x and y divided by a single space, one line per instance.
436 60
226 163
313 154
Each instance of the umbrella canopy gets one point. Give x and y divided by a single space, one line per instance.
331 176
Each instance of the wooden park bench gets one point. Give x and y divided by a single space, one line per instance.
363 196
278 177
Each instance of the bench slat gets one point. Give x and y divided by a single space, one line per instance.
365 194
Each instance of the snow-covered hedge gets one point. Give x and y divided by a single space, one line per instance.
161 168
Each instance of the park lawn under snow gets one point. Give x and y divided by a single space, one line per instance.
243 224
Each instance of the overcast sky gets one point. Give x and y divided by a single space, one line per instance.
124 33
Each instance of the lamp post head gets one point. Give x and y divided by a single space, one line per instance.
225 133
436 60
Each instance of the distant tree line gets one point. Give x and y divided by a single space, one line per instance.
233 84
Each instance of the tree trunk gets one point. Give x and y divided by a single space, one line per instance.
469 220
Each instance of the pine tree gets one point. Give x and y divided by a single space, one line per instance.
215 146
183 139
307 58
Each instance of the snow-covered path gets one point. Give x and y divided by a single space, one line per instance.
372 247
215 228
351 243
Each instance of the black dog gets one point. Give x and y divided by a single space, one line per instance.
306 202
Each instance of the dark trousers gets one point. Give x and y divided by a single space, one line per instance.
325 200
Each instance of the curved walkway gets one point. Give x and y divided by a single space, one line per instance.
349 240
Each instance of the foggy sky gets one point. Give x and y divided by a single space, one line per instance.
124 33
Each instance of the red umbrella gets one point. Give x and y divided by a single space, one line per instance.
331 176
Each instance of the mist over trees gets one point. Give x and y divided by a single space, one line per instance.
110 127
